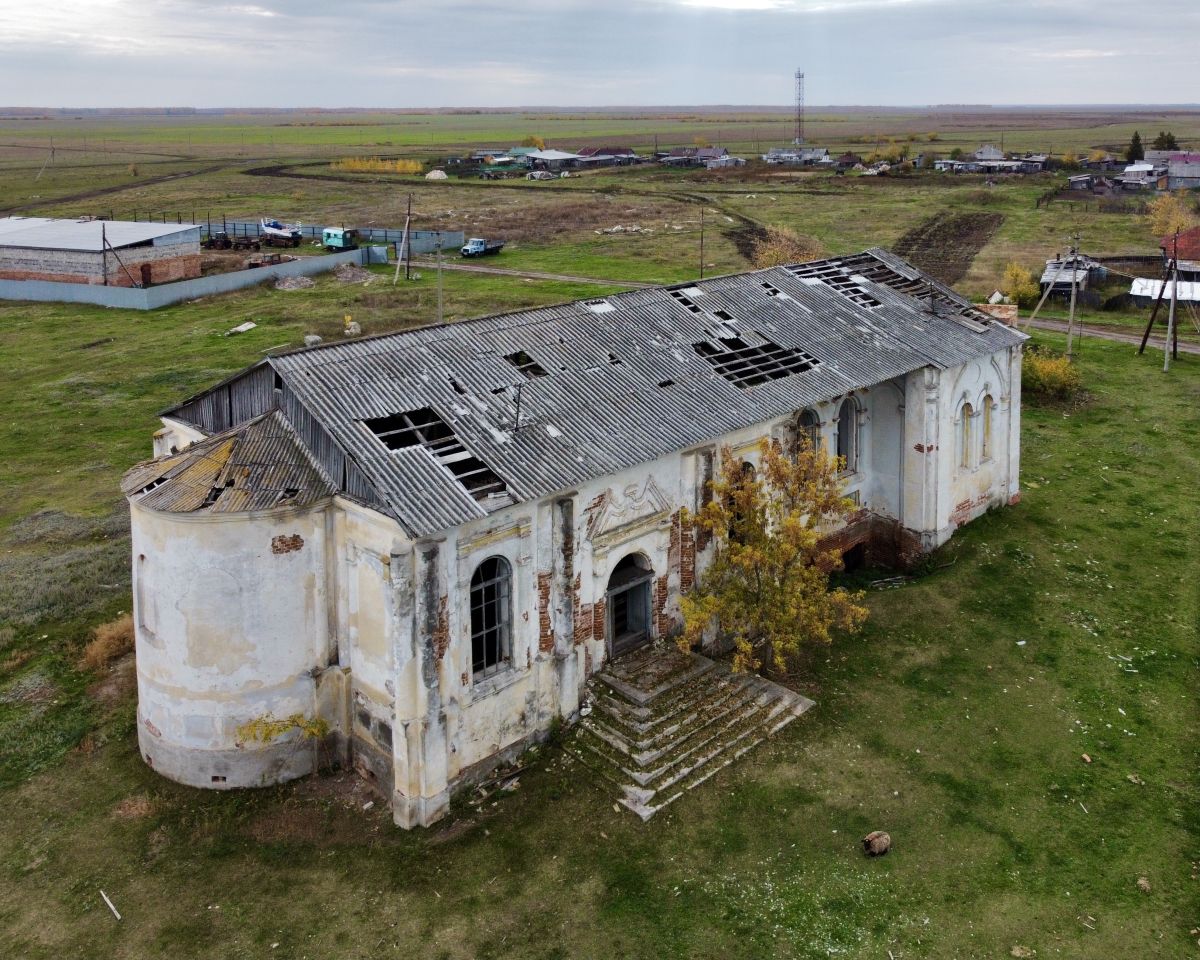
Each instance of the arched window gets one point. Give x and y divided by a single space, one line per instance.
986 453
965 427
807 428
847 435
491 616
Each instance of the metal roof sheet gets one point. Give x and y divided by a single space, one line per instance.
42 233
624 382
258 465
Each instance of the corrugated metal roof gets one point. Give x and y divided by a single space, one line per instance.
624 381
41 233
256 466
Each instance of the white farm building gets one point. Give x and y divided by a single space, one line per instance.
430 540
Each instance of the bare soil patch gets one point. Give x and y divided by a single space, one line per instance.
946 244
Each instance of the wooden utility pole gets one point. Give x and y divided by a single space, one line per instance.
439 275
1074 286
408 241
1172 332
702 242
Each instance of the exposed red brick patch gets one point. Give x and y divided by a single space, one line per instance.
286 543
1014 499
151 727
599 612
545 629
964 509
663 623
441 632
923 448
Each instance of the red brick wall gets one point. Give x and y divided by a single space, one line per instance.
545 629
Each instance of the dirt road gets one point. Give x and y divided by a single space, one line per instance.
529 274
1119 336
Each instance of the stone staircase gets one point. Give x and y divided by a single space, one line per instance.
662 722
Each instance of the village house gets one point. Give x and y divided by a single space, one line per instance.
421 545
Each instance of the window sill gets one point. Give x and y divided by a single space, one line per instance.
493 684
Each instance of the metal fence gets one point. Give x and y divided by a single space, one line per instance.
151 298
423 241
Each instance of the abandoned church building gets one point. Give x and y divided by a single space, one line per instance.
429 540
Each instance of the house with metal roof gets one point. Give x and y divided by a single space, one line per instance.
108 252
429 541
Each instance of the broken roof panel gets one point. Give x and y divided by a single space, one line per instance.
622 386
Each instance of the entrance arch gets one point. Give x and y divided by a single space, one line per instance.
628 604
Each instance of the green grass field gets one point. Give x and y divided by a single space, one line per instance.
957 720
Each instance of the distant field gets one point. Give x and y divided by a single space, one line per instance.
956 721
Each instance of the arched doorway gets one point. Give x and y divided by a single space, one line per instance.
628 604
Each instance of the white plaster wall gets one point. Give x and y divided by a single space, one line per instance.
228 630
987 478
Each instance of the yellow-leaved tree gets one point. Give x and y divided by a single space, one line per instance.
1020 286
1168 213
767 588
534 141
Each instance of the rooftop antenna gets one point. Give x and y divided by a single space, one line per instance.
799 106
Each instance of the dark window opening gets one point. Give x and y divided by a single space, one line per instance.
526 364
747 365
383 733
807 431
278 381
426 429
491 616
217 778
847 435
364 719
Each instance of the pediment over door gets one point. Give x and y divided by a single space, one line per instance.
626 512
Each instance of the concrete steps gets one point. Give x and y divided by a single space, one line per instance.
663 722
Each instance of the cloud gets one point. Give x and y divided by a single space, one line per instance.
584 52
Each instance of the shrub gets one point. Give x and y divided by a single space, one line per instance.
109 641
1020 286
377 165
778 245
1049 376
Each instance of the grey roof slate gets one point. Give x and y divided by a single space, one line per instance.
43 233
626 385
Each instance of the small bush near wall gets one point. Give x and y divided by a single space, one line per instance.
109 641
1049 375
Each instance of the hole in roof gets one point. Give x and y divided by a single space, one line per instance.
774 291
692 292
614 359
526 364
599 306
458 387
747 365
666 383
684 300
424 428
723 315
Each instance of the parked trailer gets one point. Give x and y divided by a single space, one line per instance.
276 234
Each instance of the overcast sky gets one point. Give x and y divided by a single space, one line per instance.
416 53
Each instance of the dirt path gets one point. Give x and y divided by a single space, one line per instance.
1118 336
118 188
531 274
